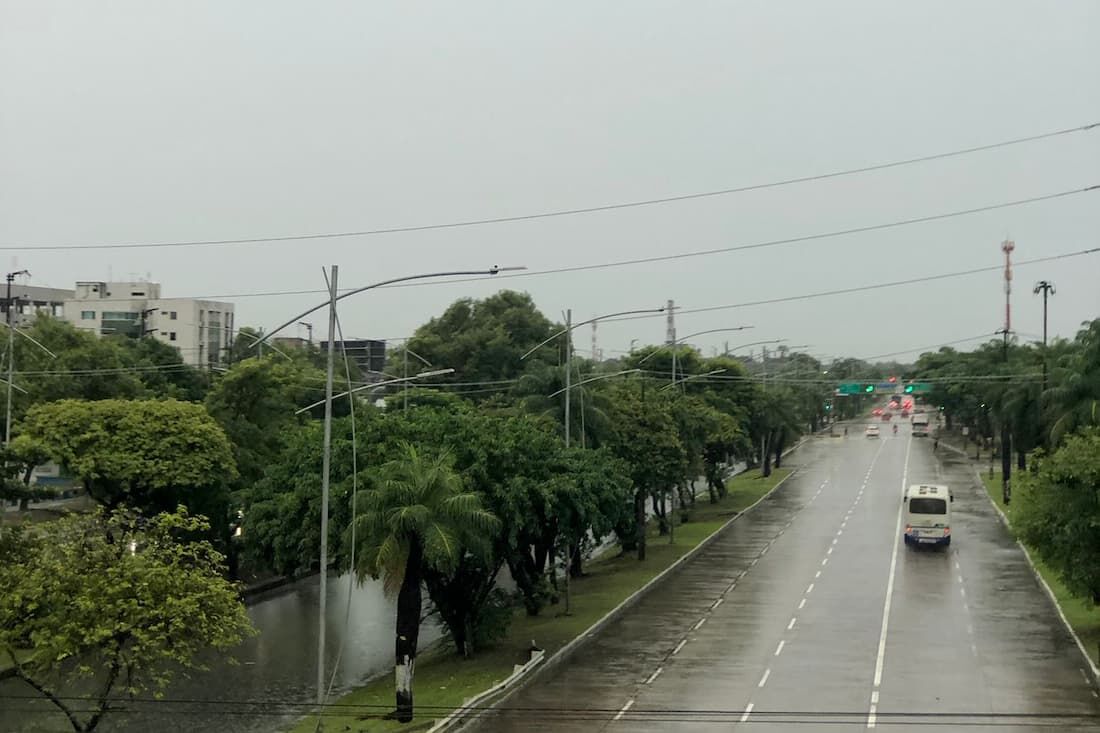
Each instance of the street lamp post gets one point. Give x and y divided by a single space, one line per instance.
567 332
331 301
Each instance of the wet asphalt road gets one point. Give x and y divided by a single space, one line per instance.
779 625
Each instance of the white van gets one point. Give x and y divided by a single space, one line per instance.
928 515
920 426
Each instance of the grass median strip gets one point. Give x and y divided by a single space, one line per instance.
444 681
1082 615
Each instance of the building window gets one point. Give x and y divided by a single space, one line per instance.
172 336
172 315
120 316
136 294
87 315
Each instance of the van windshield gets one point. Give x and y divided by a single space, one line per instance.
927 506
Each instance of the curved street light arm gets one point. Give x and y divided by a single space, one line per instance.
30 338
575 326
376 385
754 343
691 335
693 376
392 281
594 379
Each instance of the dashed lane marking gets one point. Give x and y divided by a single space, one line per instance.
654 676
622 711
731 586
829 551
716 604
825 561
801 604
817 574
698 624
764 680
745 715
779 648
791 624
810 589
679 646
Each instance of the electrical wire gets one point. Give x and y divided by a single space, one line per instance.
560 212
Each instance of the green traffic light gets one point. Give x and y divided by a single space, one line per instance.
869 388
908 389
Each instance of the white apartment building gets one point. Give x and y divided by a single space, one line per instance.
200 329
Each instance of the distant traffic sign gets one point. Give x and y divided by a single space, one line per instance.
917 387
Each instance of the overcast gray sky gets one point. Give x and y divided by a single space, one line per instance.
161 121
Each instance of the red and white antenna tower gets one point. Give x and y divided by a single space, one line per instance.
1007 246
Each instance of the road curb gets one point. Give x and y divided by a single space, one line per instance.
1042 581
464 716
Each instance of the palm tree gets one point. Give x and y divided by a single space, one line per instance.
416 517
1073 400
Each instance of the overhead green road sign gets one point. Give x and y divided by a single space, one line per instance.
917 387
855 388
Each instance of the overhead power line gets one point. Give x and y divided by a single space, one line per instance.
686 255
562 212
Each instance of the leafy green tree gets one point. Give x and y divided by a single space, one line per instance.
19 460
645 438
151 455
1074 398
162 372
416 517
111 601
484 340
1057 511
255 402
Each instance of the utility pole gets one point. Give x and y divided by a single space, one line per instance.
11 353
568 369
1007 247
326 462
1047 289
764 388
309 331
595 350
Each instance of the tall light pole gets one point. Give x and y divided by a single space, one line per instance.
1047 289
567 332
11 354
676 342
327 457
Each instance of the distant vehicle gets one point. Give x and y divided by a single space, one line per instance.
871 431
920 426
928 515
886 417
904 414
877 411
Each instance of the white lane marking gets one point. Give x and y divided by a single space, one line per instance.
716 604
881 657
762 552
960 578
779 648
801 604
973 650
1085 676
962 591
622 711
835 541
825 561
753 561
817 574
871 717
764 680
745 715
970 628
810 589
829 551
843 525
731 587
698 624
654 676
679 646
957 565
791 624
966 607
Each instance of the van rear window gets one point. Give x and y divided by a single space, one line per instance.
927 506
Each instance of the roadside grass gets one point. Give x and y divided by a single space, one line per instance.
443 681
1082 615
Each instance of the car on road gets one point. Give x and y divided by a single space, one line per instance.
920 426
928 515
871 431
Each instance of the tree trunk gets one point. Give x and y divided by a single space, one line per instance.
1021 460
408 632
639 521
766 465
781 438
576 568
662 514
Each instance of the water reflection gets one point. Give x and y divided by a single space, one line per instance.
278 665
